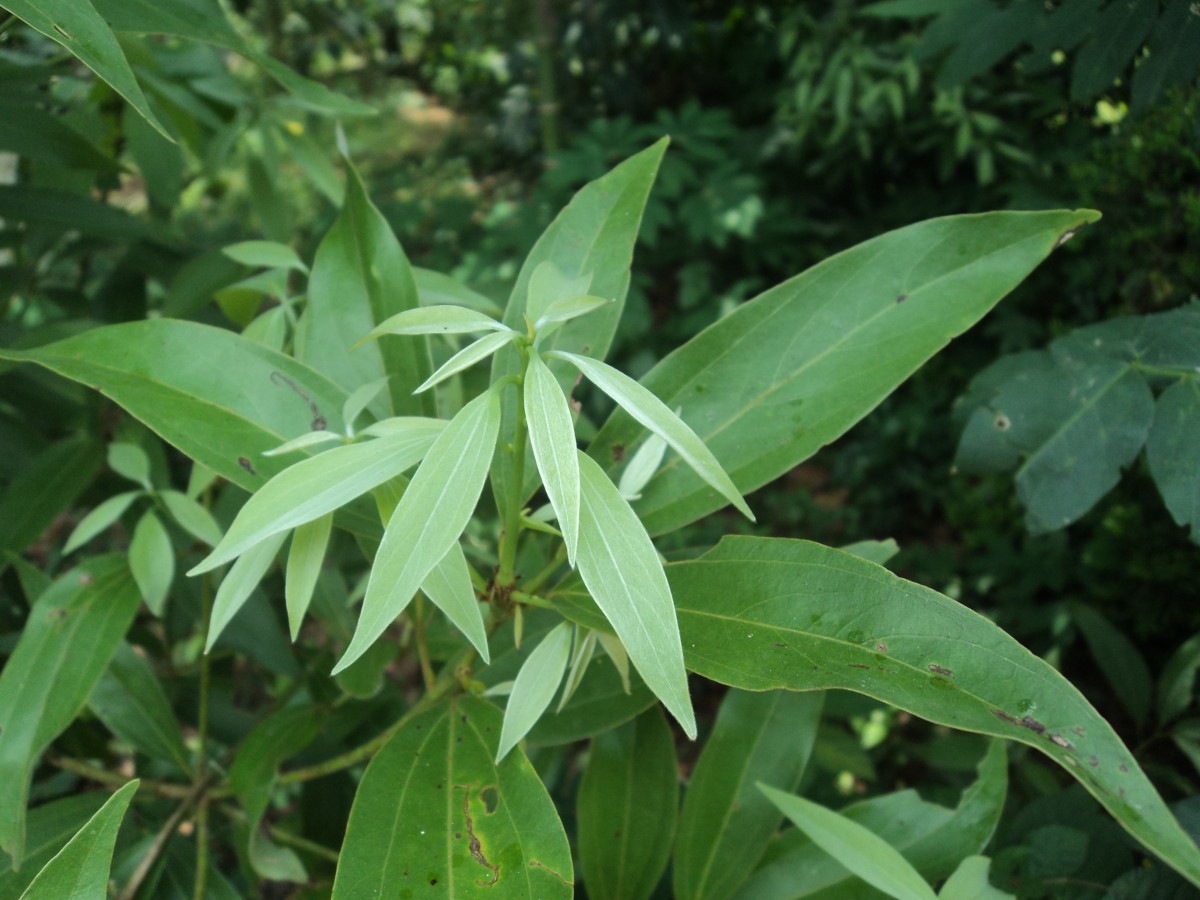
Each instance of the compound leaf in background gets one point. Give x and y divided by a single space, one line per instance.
79 871
552 438
790 371
72 632
627 807
726 824
1118 32
1174 57
152 561
535 686
435 813
1171 451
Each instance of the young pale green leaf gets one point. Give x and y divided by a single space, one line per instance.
72 632
726 822
359 400
309 439
434 813
436 320
616 652
468 356
241 579
99 519
305 558
552 437
549 285
641 468
436 289
80 870
970 882
316 486
861 851
565 310
654 414
130 461
620 567
583 648
429 518
199 479
152 561
130 701
794 369
878 552
536 684
191 517
1170 451
448 587
268 254
627 807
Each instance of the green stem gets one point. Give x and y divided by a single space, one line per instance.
201 821
531 600
422 648
1165 371
114 780
506 576
543 576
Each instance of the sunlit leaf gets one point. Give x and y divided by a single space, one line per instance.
309 439
552 437
448 587
305 557
241 579
535 687
565 310
641 468
468 356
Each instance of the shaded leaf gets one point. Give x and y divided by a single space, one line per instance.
1171 452
552 437
1177 683
130 701
192 517
130 461
40 492
1119 659
535 687
1174 54
1119 31
267 254
152 561
50 826
970 882
99 519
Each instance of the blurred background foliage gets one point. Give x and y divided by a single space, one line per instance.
797 130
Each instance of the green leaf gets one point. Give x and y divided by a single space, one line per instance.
1119 32
1177 683
80 870
1119 659
76 25
192 517
241 579
620 567
448 587
592 237
51 825
565 310
468 356
130 701
267 254
536 684
970 882
792 370
313 487
34 133
152 561
1170 450
429 518
436 320
305 558
360 400
436 289
878 552
549 284
361 277
726 822
1174 54
130 461
79 212
642 466
278 737
582 651
435 814
654 414
311 439
627 808
219 398
552 437
71 634
99 519
44 488
859 850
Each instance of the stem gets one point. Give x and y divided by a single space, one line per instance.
201 849
422 649
544 39
113 780
285 837
531 600
506 576
160 841
543 576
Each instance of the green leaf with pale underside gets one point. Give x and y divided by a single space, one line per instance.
536 684
436 320
448 587
552 437
468 356
239 582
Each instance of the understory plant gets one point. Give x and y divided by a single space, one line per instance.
466 565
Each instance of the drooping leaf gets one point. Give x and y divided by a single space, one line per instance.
72 632
219 398
535 687
79 871
429 518
468 356
266 254
620 567
726 821
99 519
313 487
44 488
305 558
858 849
130 701
1170 450
448 587
152 561
795 368
241 579
654 415
435 813
552 437
627 808
436 320
191 517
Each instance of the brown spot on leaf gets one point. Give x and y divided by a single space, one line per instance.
881 647
940 670
618 452
1062 741
901 298
246 464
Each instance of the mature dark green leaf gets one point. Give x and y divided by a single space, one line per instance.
51 825
80 870
73 631
1177 683
219 398
1119 659
1174 54
627 807
130 701
792 370
1171 452
1118 33
44 488
727 822
34 133
76 212
152 561
970 882
435 814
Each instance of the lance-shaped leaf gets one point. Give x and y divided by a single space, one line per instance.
654 414
429 518
792 370
436 320
51 825
1170 450
861 851
99 519
305 557
448 587
359 400
434 813
565 310
80 869
130 701
191 517
152 561
583 649
641 468
130 461
266 254
304 442
726 822
620 567
628 804
239 582
468 356
552 437
535 686
313 487
72 632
